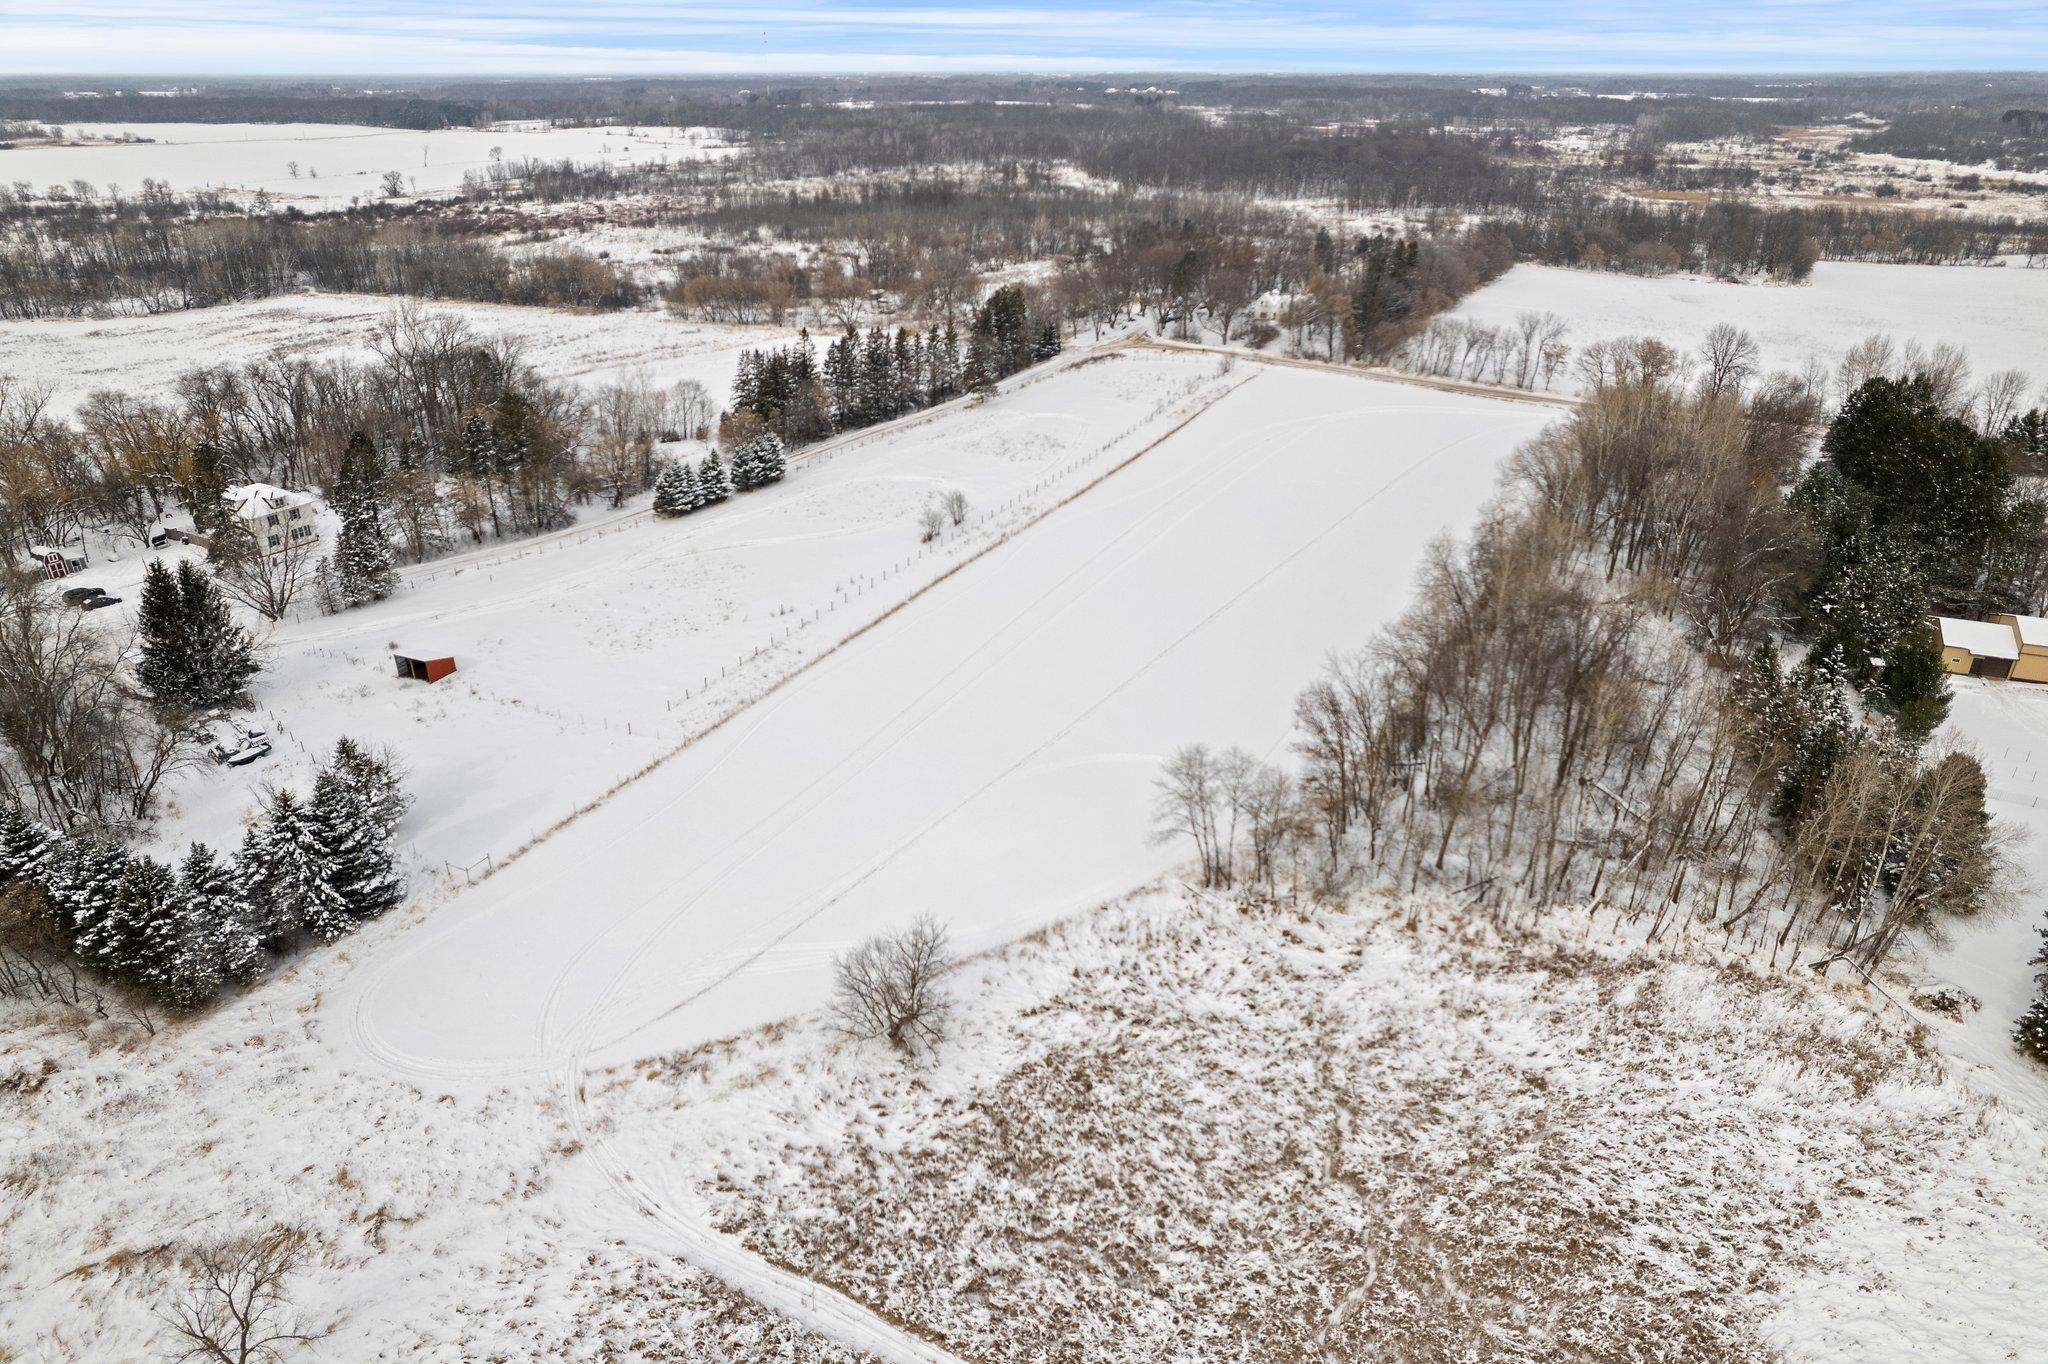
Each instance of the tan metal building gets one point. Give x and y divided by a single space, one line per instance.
2032 633
1979 647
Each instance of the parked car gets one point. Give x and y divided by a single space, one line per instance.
95 603
78 596
238 757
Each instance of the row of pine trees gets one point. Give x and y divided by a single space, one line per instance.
681 488
871 377
310 869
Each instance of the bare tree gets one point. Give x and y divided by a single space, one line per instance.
955 504
1190 797
888 987
1728 360
267 584
237 1307
931 523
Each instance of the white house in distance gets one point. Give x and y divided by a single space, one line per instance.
278 518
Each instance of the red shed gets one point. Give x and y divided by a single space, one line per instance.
423 669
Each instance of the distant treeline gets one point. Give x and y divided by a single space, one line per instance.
275 105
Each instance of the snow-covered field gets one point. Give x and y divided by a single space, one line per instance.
1179 1129
986 752
71 357
1999 315
1021 707
337 164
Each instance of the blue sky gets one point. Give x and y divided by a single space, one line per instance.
214 37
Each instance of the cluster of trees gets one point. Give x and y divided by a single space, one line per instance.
1535 731
1913 508
309 870
873 377
682 488
191 652
160 253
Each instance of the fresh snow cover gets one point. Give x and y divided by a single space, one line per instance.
1997 314
244 158
72 357
1182 1128
988 753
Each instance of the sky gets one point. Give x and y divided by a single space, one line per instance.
433 37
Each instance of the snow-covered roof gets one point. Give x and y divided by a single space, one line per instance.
256 499
1982 638
2033 630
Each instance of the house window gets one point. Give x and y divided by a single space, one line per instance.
274 542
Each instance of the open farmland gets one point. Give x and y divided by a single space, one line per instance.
1999 315
69 358
1021 705
325 166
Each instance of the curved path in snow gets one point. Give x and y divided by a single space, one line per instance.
985 754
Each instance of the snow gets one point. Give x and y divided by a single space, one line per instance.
73 357
1998 315
1985 639
1179 1128
1020 706
244 158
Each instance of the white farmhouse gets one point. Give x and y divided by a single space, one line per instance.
278 518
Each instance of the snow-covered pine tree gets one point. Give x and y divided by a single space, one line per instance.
222 656
842 380
146 926
2030 1033
693 495
223 942
759 462
944 360
375 780
288 877
363 562
164 662
83 880
671 494
25 844
712 483
353 847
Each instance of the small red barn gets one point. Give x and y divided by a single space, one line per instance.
423 669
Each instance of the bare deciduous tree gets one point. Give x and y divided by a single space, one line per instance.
955 504
237 1307
888 987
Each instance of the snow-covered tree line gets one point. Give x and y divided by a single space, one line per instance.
1557 719
681 487
311 869
874 376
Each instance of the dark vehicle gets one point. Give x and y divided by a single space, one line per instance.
78 596
239 757
95 603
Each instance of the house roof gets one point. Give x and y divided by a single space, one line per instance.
1983 638
2033 630
255 499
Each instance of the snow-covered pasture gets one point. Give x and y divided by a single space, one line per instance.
337 164
1997 314
72 357
1179 1129
987 753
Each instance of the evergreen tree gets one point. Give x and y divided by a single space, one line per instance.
354 848
713 484
220 941
25 844
288 876
164 665
375 781
363 566
222 656
692 495
759 462
943 356
842 380
141 938
82 878
671 494
1914 686
2031 1032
